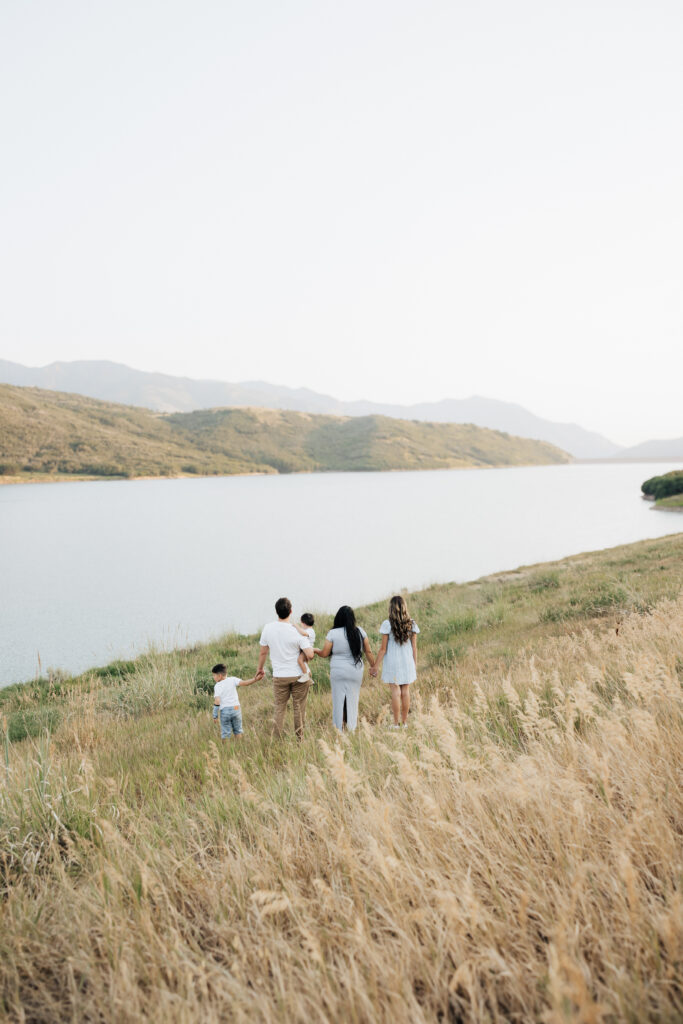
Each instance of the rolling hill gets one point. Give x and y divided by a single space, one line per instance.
50 432
113 382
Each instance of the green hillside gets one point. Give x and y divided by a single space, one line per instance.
48 432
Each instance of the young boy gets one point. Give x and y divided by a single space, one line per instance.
305 628
226 703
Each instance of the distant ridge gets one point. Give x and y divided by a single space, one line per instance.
667 449
64 434
114 382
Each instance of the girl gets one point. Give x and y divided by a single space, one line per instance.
398 657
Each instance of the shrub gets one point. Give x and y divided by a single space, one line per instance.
283 464
24 724
664 486
464 622
545 581
102 469
116 670
203 681
553 614
602 599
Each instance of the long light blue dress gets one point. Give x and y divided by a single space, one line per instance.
346 678
398 667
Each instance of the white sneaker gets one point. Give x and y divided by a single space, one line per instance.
394 727
305 678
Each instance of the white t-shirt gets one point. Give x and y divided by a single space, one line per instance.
285 642
226 691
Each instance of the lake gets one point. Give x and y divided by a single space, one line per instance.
97 571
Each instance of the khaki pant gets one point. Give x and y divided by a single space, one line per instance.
283 689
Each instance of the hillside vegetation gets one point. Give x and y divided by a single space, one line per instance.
513 855
46 432
114 382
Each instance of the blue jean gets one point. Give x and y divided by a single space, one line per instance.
231 722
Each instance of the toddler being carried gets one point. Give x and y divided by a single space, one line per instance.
305 628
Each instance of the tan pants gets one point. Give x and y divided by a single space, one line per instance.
283 689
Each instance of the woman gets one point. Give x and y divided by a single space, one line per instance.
345 644
399 647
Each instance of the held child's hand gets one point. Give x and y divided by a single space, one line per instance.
259 675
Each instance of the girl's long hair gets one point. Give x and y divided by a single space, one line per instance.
346 618
399 620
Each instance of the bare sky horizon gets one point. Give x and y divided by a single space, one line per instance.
387 200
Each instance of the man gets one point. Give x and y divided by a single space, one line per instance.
282 641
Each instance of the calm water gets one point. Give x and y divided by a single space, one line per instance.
97 571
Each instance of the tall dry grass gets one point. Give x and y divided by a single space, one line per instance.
514 855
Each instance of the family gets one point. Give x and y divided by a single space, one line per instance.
290 646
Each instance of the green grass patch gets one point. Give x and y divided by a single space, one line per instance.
673 501
544 581
116 670
31 723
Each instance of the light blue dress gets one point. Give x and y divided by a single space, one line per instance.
398 667
346 679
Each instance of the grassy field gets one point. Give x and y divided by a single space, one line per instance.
48 435
514 855
673 501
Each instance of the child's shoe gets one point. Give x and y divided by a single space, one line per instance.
305 677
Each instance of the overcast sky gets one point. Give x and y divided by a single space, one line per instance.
401 201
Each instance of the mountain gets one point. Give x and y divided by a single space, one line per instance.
50 432
114 382
667 449
514 419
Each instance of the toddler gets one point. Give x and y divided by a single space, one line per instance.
305 628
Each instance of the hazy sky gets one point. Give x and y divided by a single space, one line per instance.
401 201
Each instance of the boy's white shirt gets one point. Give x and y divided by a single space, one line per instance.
226 691
310 632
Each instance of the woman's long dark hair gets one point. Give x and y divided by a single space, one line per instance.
346 618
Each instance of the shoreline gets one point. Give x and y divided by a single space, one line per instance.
67 478
49 478
497 578
75 478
